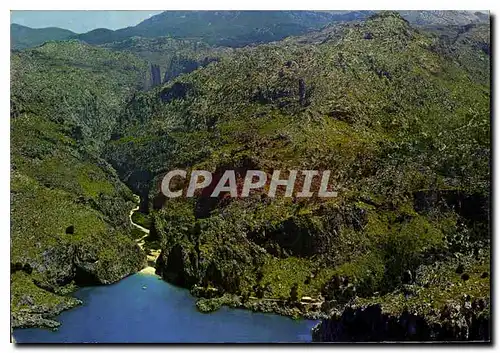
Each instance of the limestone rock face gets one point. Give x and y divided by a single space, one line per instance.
155 75
371 324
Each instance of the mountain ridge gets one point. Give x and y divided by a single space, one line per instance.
380 105
27 37
240 28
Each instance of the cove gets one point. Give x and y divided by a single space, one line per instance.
145 309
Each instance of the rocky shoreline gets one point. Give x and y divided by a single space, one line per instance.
295 311
42 316
468 322
47 300
209 301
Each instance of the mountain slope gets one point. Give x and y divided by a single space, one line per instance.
469 45
224 28
69 210
399 116
240 28
448 17
172 56
25 37
232 28
403 128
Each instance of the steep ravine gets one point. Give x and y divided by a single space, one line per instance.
152 254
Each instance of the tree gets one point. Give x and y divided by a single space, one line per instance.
294 293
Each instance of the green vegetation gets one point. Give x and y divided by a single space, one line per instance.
141 219
173 56
469 45
400 116
22 37
78 87
449 301
438 285
224 28
69 210
210 305
403 126
32 305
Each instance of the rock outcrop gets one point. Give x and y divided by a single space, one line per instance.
469 322
155 75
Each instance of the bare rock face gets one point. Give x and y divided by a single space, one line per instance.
176 266
41 315
302 92
60 270
371 324
155 75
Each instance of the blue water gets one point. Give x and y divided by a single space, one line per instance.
126 313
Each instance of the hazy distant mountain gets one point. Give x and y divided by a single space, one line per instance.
24 37
401 116
240 28
228 28
436 17
233 28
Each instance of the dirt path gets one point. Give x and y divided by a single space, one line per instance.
152 256
141 228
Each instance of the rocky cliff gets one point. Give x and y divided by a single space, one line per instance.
69 210
388 108
468 322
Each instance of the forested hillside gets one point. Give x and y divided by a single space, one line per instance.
69 210
171 57
399 114
399 117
